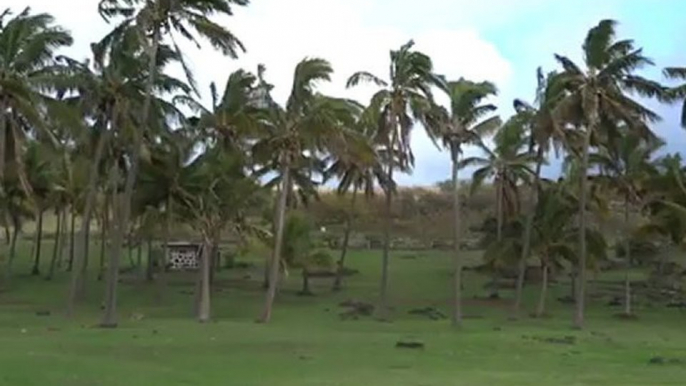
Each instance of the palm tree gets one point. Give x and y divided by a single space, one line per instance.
626 162
359 169
554 234
154 20
545 134
596 102
28 43
309 124
462 125
677 93
405 98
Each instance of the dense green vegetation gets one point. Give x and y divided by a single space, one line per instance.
110 159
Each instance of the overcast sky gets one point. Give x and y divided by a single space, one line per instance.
498 40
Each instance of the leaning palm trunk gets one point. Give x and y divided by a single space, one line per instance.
540 310
457 258
79 247
526 248
55 246
35 271
338 281
581 285
72 238
278 242
627 256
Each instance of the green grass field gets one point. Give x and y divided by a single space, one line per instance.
308 344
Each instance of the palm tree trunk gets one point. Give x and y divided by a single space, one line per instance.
35 271
526 248
77 287
581 285
109 319
278 242
382 312
150 263
4 126
540 310
500 184
8 235
162 262
64 242
338 281
139 259
627 256
72 239
56 245
103 237
13 249
204 306
457 258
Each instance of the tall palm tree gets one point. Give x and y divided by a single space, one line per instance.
28 69
309 123
467 121
359 169
545 134
156 20
596 102
627 162
404 98
677 93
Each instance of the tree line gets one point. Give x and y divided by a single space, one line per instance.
119 139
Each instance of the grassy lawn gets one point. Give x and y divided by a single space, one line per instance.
308 344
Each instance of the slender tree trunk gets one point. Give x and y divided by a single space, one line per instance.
139 259
56 245
4 127
204 307
78 253
118 228
338 281
104 228
382 313
540 310
8 235
162 262
72 239
499 231
306 282
265 283
150 263
278 242
526 248
13 250
457 258
581 287
35 271
627 256
64 242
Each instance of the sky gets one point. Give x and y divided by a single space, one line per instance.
503 41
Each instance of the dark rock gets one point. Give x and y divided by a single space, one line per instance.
657 360
566 300
497 328
43 313
429 312
409 344
558 340
356 309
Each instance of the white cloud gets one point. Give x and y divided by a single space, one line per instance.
352 34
